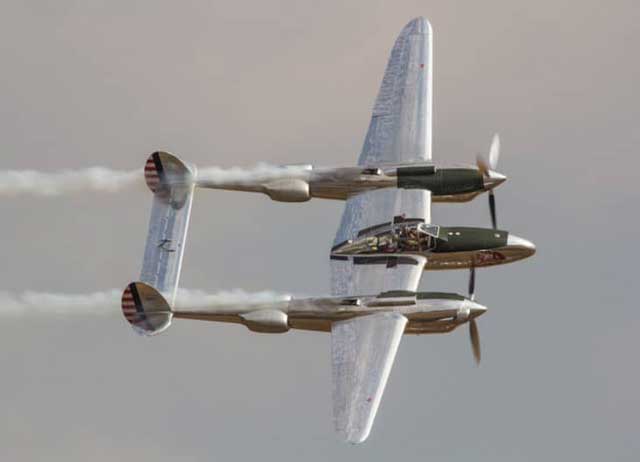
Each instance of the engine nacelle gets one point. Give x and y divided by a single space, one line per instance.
288 190
266 321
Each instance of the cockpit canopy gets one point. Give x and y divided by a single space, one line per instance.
430 229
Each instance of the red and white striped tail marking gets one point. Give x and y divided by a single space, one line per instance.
129 308
151 175
145 309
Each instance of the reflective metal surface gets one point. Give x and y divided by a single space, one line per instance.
400 127
515 249
171 181
384 242
409 238
371 209
427 312
446 248
493 179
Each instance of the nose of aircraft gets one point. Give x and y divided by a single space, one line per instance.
476 309
493 179
521 243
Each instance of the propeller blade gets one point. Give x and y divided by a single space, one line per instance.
492 209
472 283
491 163
494 152
475 340
483 167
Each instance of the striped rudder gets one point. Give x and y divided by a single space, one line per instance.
145 309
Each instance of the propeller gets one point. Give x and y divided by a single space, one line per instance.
474 335
475 340
492 209
486 165
487 168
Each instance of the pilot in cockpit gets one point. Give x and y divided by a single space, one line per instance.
413 238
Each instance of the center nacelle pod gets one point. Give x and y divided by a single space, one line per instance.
266 321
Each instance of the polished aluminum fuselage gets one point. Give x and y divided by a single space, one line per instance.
443 247
477 258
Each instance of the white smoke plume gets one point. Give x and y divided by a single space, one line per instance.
194 299
39 303
237 175
101 179
94 179
108 302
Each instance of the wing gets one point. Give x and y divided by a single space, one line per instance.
372 275
362 350
400 127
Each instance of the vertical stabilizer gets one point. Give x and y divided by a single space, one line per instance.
145 309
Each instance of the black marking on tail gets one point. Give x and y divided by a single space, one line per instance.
136 298
159 167
141 316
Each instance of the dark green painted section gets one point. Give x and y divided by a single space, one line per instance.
421 295
396 293
441 182
438 296
464 239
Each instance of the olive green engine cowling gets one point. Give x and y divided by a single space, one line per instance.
464 239
441 182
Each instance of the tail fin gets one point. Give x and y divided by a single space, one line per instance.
145 309
172 184
164 172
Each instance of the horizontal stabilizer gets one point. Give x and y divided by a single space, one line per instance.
146 309
172 184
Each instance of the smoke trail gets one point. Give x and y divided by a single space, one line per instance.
261 172
39 303
194 299
101 179
108 302
98 179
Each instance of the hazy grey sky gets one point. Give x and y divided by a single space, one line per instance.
235 83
